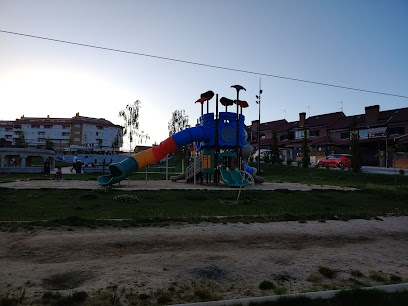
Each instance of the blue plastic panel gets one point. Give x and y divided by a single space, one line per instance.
227 130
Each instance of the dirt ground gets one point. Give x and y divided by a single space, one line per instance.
234 258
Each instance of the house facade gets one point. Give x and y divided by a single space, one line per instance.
381 133
63 134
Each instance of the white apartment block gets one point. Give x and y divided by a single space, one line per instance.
65 134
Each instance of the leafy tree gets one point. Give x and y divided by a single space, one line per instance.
100 144
275 153
49 144
70 141
305 149
21 140
85 141
266 158
130 117
356 158
115 143
178 121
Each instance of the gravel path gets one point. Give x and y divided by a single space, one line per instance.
156 185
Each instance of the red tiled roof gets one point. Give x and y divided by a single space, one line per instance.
325 119
273 125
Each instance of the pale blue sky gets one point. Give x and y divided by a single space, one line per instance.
361 44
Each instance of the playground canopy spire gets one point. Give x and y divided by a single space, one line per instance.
206 96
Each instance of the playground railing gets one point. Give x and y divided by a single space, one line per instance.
190 169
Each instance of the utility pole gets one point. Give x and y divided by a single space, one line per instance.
258 101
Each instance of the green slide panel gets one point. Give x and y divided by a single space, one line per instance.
233 178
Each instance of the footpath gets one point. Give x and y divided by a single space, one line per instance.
157 185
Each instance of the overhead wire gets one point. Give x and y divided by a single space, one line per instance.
203 65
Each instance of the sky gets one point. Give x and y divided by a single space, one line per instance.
361 44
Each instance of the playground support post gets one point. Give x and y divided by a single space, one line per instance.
146 175
259 126
217 147
238 88
194 165
167 168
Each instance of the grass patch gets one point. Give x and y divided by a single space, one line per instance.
82 207
356 273
378 277
321 176
327 272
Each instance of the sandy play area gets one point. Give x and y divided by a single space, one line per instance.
233 258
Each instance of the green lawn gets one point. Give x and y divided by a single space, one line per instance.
195 205
323 176
377 195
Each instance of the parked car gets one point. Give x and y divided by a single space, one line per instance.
335 160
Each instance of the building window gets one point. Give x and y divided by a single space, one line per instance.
77 125
35 126
100 127
314 133
77 132
363 133
283 137
41 133
65 133
76 139
396 130
299 134
47 126
345 135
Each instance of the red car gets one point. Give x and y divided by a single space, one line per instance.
335 160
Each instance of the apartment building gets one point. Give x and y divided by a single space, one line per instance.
327 133
6 132
63 134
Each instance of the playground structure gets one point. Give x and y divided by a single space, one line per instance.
220 148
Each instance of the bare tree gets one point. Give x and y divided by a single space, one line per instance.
178 121
130 116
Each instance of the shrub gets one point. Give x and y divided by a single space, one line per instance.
144 296
377 277
105 190
357 273
327 272
395 278
126 198
266 285
289 161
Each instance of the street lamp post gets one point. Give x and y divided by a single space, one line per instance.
258 101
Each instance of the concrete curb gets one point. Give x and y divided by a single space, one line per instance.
312 295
